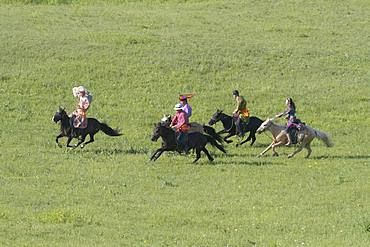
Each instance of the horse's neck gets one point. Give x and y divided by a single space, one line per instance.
65 120
168 135
226 121
276 129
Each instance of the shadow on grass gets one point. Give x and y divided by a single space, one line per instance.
346 157
119 151
231 155
247 163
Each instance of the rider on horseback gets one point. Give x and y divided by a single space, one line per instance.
78 119
181 125
241 113
185 105
293 122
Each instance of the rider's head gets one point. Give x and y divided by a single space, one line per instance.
81 90
289 101
183 99
178 107
235 93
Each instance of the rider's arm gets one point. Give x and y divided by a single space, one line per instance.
282 113
238 101
174 121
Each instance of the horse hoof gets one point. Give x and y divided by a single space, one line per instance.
275 155
237 145
59 145
82 146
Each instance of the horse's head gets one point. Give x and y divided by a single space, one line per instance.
59 115
156 132
161 130
215 117
265 125
166 120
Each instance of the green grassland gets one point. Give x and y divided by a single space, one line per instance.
136 57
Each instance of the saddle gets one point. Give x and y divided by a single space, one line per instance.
183 142
196 127
80 123
293 131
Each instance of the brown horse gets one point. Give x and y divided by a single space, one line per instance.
305 137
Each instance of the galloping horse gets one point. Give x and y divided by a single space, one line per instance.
195 127
230 128
196 141
93 126
305 137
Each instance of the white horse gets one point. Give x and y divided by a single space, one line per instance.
305 137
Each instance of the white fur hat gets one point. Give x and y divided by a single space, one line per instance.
82 89
178 107
79 89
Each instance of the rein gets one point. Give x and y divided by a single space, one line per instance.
272 138
268 136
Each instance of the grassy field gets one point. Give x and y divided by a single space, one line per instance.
136 57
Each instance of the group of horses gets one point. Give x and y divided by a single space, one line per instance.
199 135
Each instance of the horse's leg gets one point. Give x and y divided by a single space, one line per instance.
276 145
69 141
159 153
57 139
154 154
299 149
207 153
222 132
83 137
246 140
305 143
309 150
228 136
267 149
253 136
197 151
89 141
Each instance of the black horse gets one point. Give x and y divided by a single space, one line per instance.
195 127
196 141
93 126
230 128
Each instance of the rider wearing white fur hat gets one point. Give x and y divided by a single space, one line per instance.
78 119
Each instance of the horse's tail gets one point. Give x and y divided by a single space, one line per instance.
324 137
214 143
212 132
108 130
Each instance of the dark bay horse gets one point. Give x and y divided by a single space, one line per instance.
196 141
93 126
230 128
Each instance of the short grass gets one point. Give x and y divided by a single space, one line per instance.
136 57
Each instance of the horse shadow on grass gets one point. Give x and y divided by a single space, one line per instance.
345 157
241 159
119 151
247 163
